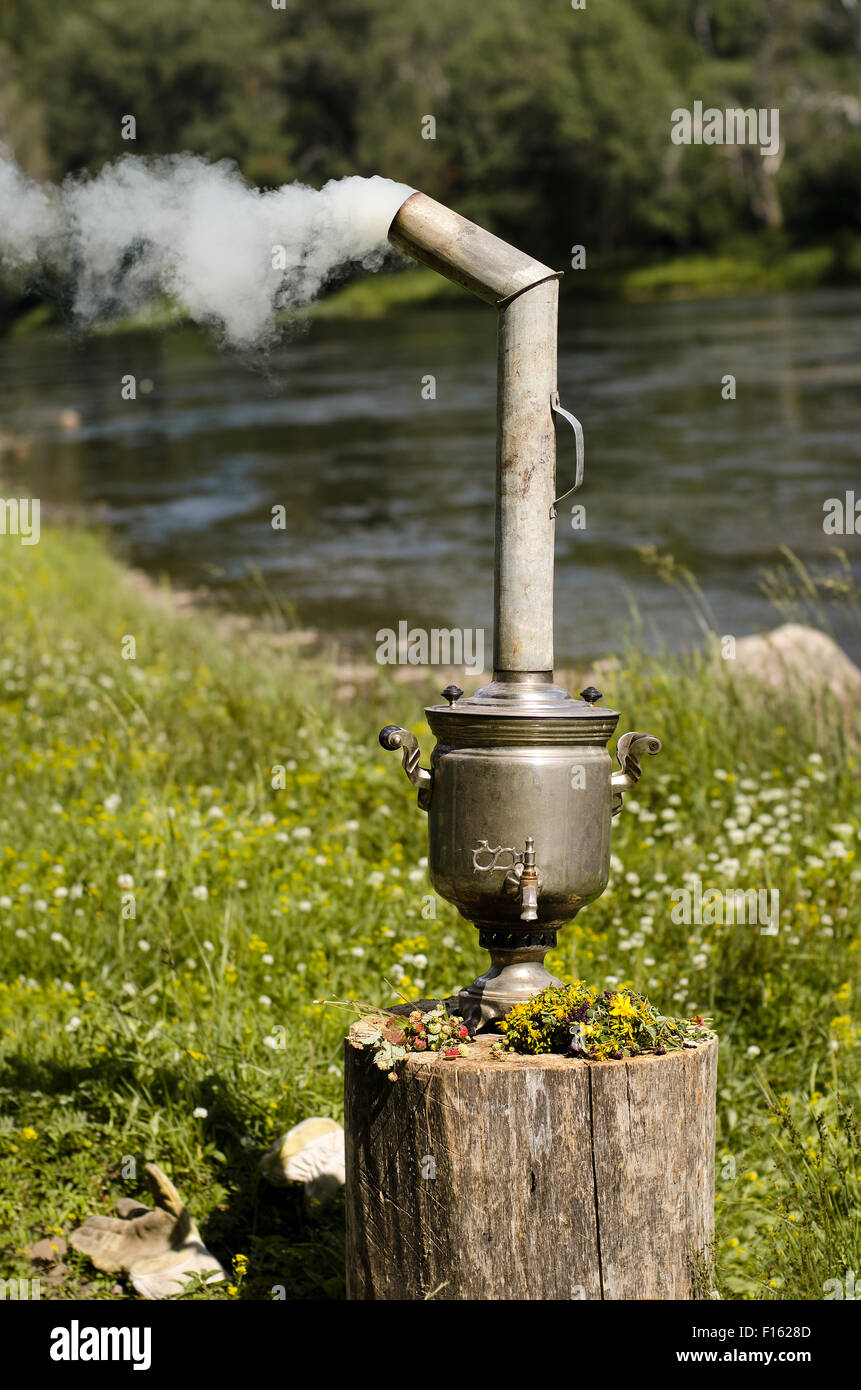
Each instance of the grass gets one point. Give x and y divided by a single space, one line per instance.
168 918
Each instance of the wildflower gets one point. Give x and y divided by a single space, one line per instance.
28 1133
200 1112
200 893
159 874
264 1000
143 945
5 901
357 951
111 803
73 1024
302 832
125 881
753 1050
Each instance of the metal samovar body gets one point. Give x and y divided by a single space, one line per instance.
520 793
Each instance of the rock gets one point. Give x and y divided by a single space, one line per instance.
48 1251
799 660
311 1153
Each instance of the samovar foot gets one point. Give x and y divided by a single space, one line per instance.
517 973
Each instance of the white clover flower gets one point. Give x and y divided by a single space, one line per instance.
357 951
125 881
200 1112
111 803
302 832
40 905
350 825
416 875
58 937
659 877
266 819
267 959
5 901
61 892
200 892
447 941
375 879
304 905
611 979
301 967
721 774
73 1023
129 988
143 945
264 1000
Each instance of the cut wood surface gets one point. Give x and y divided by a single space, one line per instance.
529 1177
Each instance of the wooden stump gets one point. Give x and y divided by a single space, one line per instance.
529 1177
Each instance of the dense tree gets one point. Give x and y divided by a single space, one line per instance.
551 123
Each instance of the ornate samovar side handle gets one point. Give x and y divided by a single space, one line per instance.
393 737
630 748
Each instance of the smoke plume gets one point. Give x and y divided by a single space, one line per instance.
228 253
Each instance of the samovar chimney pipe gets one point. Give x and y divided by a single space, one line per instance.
526 295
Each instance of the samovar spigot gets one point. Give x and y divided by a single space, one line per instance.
522 879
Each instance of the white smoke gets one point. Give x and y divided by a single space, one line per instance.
228 253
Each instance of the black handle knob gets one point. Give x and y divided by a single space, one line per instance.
590 695
452 693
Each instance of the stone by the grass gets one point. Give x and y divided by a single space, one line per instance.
800 660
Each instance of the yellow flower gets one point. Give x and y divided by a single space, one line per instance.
29 1133
621 1007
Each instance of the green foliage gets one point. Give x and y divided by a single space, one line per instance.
115 1029
552 124
428 1030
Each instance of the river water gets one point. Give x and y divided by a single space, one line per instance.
388 497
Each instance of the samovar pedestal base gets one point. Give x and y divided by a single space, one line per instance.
517 973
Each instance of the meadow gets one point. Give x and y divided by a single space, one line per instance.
168 918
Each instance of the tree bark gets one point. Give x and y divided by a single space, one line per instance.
529 1177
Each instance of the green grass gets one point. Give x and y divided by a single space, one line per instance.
114 1029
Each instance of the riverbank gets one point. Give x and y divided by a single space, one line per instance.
750 266
169 915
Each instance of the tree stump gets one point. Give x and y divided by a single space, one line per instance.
529 1177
